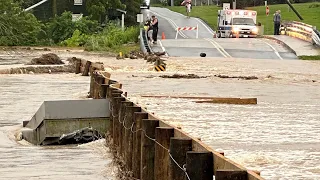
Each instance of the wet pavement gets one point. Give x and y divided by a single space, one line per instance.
186 44
300 47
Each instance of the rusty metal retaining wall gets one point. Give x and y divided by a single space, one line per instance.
153 149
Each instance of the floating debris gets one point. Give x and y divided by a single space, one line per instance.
39 70
46 59
237 77
80 136
184 76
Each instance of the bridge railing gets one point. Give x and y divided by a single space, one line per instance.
302 31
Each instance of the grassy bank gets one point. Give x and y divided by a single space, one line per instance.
309 57
309 11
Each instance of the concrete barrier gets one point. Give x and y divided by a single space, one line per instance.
55 118
153 149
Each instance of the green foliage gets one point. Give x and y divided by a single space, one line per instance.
132 8
25 3
99 8
112 37
62 27
22 28
314 5
209 14
309 57
17 27
311 16
77 39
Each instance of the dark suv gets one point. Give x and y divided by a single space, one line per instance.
145 5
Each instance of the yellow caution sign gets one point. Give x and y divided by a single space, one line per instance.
160 67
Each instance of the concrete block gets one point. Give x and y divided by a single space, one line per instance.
70 109
24 123
30 135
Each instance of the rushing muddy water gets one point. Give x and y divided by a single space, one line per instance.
21 96
279 136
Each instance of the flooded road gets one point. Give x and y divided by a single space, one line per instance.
279 136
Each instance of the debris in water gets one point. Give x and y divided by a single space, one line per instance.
238 77
46 59
183 76
73 60
39 70
150 76
136 55
80 136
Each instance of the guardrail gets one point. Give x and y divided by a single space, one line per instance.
302 31
153 149
144 46
316 37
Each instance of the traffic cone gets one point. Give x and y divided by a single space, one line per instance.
163 36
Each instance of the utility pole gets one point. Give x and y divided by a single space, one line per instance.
54 7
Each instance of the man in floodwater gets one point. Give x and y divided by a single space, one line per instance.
276 22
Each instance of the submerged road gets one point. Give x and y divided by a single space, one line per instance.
187 45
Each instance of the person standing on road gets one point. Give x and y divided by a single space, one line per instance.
276 22
187 4
155 28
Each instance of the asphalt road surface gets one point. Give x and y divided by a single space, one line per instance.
187 45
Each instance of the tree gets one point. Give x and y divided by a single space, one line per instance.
133 8
26 3
16 26
98 8
62 27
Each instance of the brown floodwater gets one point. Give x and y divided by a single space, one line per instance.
21 96
280 136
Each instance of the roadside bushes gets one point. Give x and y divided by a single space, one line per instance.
112 37
17 27
62 27
20 28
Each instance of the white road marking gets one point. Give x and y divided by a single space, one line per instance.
209 29
163 49
274 49
175 26
218 47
